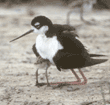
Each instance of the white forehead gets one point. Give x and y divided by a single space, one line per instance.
37 23
42 30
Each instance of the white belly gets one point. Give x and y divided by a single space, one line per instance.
47 47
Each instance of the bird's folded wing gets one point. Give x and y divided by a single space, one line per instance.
66 60
71 43
64 27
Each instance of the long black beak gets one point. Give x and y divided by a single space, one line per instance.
22 35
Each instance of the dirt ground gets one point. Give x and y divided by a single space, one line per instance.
17 69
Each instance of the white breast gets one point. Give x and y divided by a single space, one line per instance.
47 47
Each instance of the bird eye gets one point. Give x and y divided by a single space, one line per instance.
37 26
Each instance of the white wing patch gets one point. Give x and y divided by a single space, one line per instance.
47 47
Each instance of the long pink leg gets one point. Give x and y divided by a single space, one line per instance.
72 83
85 80
78 82
78 79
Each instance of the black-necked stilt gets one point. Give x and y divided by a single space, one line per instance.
45 63
62 49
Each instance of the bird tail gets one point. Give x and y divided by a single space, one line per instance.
92 62
96 55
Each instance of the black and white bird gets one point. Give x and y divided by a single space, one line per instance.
62 49
44 63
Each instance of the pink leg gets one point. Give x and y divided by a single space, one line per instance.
78 79
70 83
78 82
85 80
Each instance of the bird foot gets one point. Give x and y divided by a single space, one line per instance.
48 84
60 84
42 84
69 83
39 84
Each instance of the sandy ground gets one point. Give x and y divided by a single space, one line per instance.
17 69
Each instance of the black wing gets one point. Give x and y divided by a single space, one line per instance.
71 43
64 27
74 54
58 28
67 60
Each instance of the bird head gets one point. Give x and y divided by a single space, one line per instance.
40 25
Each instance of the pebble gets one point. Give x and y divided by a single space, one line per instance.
72 89
69 89
25 103
42 77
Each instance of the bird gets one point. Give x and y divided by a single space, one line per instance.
62 49
44 63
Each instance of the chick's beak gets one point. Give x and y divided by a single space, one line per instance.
22 35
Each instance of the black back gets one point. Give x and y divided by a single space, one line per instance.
74 54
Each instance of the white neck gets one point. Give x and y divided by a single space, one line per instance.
47 47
